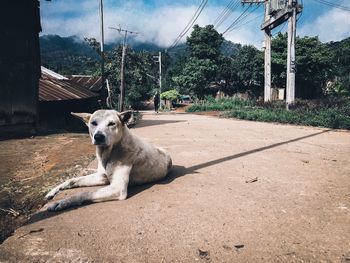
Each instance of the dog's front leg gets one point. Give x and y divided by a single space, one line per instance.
88 180
117 190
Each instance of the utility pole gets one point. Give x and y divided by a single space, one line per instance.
160 72
267 53
276 13
103 94
122 67
291 67
159 61
122 81
267 49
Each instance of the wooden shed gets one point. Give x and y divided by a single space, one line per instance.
19 64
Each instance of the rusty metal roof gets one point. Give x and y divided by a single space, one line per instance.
51 89
92 83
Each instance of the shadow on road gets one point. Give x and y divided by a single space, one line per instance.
179 171
145 123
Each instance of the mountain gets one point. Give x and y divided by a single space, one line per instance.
71 55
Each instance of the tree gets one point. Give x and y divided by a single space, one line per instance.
340 67
196 76
139 67
202 66
249 65
313 61
205 43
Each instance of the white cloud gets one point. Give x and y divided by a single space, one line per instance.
333 25
157 25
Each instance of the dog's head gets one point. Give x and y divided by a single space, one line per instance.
105 126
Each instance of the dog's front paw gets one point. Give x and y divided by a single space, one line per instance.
57 206
51 194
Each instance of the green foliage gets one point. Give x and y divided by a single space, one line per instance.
330 113
340 68
170 95
202 66
205 42
313 65
248 62
138 67
196 76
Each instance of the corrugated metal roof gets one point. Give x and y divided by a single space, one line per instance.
51 89
92 83
52 74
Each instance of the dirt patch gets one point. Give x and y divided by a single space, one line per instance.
29 167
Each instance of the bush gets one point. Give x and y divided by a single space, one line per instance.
220 105
170 95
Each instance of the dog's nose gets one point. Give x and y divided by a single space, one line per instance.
99 138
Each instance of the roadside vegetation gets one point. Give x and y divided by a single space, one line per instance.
329 113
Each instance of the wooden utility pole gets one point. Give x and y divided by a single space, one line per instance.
267 51
103 92
160 72
122 67
159 60
122 81
291 67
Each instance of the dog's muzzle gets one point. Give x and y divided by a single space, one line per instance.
99 139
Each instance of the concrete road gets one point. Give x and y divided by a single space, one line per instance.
239 191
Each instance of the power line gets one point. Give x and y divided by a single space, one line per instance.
345 8
190 23
249 21
238 23
223 12
237 19
233 4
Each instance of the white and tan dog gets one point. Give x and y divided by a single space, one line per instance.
123 159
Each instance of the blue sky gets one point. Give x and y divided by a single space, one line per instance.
160 22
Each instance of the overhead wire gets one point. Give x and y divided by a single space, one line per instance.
240 21
345 8
189 24
227 13
237 19
223 12
247 22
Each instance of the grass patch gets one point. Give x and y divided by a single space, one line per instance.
220 105
330 113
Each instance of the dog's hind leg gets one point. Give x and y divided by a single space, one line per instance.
117 190
88 180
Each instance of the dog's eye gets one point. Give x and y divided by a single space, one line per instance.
111 124
94 123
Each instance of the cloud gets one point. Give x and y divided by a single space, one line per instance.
333 25
160 25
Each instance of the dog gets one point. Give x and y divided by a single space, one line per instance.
123 159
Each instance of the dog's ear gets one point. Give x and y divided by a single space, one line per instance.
125 116
85 117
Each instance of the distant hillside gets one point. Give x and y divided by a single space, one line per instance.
71 55
67 55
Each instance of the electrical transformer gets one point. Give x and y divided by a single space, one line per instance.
276 5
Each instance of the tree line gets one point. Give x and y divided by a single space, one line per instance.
208 64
